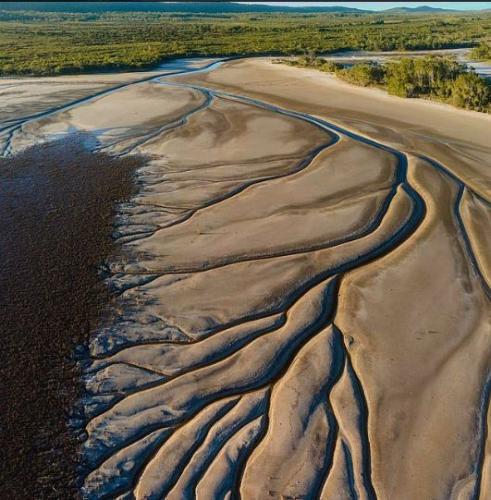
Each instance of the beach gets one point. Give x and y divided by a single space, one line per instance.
298 279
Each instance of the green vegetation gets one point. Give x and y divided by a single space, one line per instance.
471 91
481 53
363 74
434 77
45 43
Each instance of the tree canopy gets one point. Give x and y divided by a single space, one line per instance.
435 77
45 43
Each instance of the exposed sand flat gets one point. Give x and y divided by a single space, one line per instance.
485 482
240 227
238 154
23 97
350 473
18 98
198 302
476 218
26 96
118 121
445 329
459 139
231 131
27 99
302 311
216 244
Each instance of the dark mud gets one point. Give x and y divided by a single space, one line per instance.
57 204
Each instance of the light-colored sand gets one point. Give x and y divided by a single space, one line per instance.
240 227
118 121
476 218
300 313
460 139
422 389
25 100
24 96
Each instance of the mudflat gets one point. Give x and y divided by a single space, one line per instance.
57 203
301 290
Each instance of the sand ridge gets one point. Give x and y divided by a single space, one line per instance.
302 294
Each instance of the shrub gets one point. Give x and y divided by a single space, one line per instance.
471 92
482 52
363 74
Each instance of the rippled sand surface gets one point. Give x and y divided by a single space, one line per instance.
302 293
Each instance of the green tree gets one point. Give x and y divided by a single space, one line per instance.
482 52
363 74
471 92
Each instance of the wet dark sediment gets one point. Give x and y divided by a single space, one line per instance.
57 203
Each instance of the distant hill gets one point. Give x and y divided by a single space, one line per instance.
199 7
421 8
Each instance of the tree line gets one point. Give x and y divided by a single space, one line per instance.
46 43
435 77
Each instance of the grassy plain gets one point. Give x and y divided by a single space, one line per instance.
50 43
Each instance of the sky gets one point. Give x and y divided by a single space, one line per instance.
388 5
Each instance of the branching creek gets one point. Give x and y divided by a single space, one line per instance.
130 432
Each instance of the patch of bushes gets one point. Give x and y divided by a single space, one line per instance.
440 78
363 74
471 92
482 52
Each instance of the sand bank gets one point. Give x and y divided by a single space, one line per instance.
458 138
302 291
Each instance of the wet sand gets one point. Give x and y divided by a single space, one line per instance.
57 203
301 302
27 96
457 138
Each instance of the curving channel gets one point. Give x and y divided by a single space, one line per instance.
267 404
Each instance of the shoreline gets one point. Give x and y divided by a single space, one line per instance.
381 92
214 249
300 261
327 78
452 136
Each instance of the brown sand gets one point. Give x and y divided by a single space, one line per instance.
301 313
459 139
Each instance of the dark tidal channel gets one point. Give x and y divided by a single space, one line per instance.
57 204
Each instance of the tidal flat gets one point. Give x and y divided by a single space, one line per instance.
297 283
57 202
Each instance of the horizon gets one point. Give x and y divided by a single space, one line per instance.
379 6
